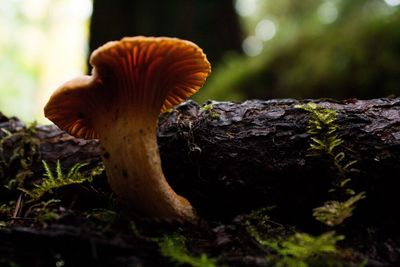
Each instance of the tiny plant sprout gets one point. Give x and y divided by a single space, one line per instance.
132 81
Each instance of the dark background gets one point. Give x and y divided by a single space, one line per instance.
213 25
354 55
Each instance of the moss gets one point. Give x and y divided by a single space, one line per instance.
208 108
333 213
303 250
173 247
104 215
52 182
287 247
324 141
8 263
45 212
18 151
258 224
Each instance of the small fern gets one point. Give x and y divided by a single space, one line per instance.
53 181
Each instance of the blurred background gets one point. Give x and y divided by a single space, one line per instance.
258 48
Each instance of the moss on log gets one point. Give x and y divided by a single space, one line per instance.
229 157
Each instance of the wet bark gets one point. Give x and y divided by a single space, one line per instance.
238 156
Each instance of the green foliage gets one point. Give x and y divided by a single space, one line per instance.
26 70
173 247
17 153
46 211
51 182
104 215
106 219
8 263
322 129
259 217
208 108
258 223
6 209
303 250
337 53
290 248
303 246
333 213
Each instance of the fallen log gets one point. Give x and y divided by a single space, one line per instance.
229 157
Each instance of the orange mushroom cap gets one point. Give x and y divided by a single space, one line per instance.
140 73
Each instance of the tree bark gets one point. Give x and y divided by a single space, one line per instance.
233 157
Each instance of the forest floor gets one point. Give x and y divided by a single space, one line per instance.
52 216
63 229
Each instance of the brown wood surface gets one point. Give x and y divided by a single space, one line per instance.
244 155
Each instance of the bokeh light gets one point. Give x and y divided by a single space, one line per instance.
392 2
266 29
252 46
327 12
246 8
43 43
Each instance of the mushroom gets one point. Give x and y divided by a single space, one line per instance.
132 81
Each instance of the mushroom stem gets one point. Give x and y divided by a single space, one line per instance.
133 167
132 81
